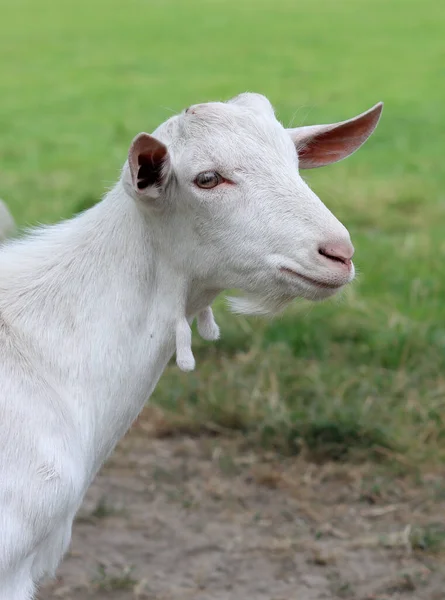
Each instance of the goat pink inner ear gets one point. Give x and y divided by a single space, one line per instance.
147 157
337 142
321 145
150 168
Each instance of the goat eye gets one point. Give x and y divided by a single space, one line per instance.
208 179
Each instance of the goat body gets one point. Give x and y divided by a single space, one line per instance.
92 309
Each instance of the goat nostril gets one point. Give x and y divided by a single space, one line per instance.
341 255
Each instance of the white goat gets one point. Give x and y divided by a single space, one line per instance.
91 309
7 224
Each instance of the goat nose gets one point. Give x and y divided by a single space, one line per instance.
340 252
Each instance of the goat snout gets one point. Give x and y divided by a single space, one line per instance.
339 252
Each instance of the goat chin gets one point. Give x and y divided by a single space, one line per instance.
255 305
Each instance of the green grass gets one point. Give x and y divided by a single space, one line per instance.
79 80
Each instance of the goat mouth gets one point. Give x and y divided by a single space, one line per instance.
313 282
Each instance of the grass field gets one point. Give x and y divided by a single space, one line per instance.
363 375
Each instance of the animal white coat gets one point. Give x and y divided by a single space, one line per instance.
92 309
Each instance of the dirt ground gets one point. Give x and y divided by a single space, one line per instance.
204 518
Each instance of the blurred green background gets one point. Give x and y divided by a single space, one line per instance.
363 375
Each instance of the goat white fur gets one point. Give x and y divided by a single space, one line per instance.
91 309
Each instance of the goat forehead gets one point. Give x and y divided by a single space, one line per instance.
220 116
228 136
234 135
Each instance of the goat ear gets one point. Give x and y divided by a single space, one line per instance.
149 163
320 145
